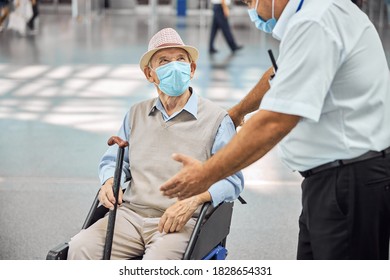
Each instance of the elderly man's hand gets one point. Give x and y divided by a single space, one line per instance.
106 194
188 182
176 216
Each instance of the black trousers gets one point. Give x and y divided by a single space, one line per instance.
346 212
35 9
221 22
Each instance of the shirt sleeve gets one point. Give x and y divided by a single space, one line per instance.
229 188
108 161
309 58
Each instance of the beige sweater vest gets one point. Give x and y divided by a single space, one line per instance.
152 143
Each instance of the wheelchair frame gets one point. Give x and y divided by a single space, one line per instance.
207 241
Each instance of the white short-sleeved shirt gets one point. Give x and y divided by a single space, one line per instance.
332 71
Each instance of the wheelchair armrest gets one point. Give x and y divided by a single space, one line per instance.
209 233
59 252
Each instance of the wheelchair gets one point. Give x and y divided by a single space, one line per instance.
207 241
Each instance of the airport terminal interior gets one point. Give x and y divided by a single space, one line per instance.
65 88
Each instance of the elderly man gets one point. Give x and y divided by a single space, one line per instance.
327 109
147 223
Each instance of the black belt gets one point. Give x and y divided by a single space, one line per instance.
337 163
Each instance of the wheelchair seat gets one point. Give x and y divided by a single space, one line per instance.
207 241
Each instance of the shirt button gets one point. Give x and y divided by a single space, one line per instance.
387 188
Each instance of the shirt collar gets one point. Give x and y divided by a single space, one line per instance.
281 24
191 107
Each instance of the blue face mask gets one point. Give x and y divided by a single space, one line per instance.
266 26
174 77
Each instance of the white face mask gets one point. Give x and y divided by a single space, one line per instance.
266 26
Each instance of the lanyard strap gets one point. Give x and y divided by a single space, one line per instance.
300 5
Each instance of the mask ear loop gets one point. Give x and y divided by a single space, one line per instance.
273 8
257 4
150 67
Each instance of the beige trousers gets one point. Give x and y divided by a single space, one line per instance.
134 236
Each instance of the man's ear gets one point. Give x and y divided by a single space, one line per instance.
148 75
193 68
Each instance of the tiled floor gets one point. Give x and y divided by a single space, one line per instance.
64 91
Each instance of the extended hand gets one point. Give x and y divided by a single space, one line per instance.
188 182
106 194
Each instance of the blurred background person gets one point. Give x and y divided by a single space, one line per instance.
220 21
20 16
31 22
4 12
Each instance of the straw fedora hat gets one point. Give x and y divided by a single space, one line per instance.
166 38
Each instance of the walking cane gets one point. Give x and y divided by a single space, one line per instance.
116 188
